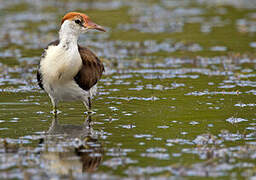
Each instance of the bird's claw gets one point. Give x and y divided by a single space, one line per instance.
90 112
55 111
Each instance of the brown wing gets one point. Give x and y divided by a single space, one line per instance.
91 70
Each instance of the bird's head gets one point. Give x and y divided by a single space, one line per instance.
79 23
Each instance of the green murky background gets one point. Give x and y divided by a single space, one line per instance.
177 99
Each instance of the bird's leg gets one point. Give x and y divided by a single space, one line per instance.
88 104
55 110
54 105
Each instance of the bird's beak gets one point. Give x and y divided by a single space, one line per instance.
92 25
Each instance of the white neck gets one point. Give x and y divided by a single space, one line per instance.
67 35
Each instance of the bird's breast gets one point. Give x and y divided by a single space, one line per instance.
60 65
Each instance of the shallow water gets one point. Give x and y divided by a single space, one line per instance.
177 99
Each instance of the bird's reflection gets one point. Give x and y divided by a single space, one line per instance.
71 148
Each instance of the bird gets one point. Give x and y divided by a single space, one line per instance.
68 71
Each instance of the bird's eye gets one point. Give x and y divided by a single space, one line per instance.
77 21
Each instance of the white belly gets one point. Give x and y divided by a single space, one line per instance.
68 91
60 65
58 69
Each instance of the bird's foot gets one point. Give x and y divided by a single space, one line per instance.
55 111
89 112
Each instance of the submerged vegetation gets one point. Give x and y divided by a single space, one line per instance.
177 98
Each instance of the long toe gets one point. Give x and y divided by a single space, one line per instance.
90 112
